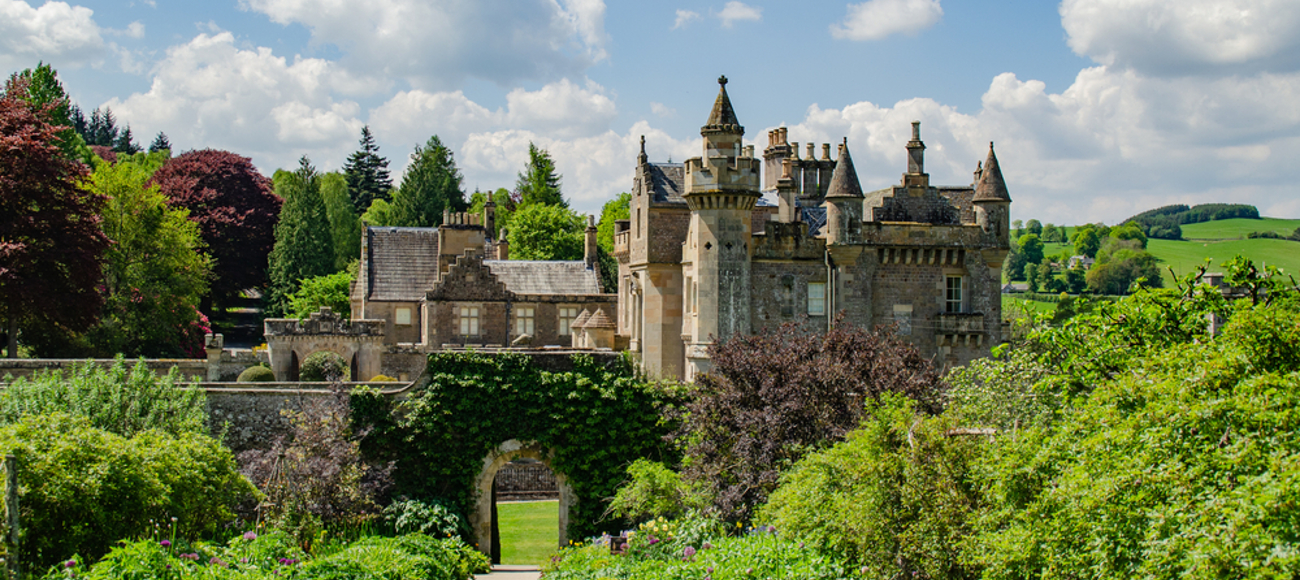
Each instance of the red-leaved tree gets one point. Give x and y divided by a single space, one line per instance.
773 397
50 236
236 209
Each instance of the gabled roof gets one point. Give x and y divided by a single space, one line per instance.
667 182
545 276
400 264
991 186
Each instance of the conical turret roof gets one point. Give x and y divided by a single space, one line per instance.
581 320
723 117
991 186
599 320
844 181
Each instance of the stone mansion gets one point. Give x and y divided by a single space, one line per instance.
701 258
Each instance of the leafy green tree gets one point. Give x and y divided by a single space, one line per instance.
506 203
155 272
1031 276
367 174
539 183
613 210
1075 280
379 214
1130 231
50 236
1018 227
1031 248
345 226
44 92
161 143
431 184
332 290
1086 241
546 232
302 232
1034 227
1052 234
1121 264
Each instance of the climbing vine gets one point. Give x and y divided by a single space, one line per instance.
594 420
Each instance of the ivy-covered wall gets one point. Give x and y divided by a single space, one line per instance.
593 420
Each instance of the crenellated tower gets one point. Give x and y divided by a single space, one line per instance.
722 187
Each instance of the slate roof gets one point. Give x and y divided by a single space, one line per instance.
815 217
844 181
667 182
723 116
400 264
545 276
991 186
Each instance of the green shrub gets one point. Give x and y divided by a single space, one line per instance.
256 374
323 366
84 488
431 518
382 378
114 399
655 491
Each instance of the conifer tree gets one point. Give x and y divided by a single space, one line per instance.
300 236
44 92
160 143
125 143
432 183
367 174
539 183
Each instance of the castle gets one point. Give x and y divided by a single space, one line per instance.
702 258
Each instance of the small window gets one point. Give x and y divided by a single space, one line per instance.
524 320
816 299
403 316
953 296
469 321
567 314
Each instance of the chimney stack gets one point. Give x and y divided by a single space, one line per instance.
589 248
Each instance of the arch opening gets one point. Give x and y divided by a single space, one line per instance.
483 523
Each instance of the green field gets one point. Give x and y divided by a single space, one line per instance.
529 530
1238 228
1013 307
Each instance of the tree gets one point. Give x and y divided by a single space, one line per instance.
155 272
1018 226
539 184
102 129
1051 233
1034 227
546 232
614 210
125 143
44 92
367 174
302 232
1031 248
345 226
50 236
160 143
431 184
236 211
506 201
379 214
1130 231
773 397
332 290
1086 241
1032 283
1075 280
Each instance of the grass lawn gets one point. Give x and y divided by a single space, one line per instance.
529 531
1185 256
1013 307
1238 228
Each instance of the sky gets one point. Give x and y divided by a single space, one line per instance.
1099 109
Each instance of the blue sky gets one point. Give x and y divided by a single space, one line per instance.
1099 108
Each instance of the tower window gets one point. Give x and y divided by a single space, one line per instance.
816 299
953 295
402 316
567 314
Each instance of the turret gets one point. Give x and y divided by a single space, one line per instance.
992 203
844 201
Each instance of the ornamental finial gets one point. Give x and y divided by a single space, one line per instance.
722 80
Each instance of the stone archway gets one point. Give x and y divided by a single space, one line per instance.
481 517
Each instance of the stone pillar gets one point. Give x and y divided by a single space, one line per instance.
214 344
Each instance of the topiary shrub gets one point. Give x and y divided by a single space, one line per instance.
382 379
256 374
323 366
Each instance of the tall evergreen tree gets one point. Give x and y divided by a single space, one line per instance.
367 174
125 143
102 129
539 183
432 183
160 143
44 93
300 236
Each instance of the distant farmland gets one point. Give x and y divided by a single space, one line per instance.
1225 239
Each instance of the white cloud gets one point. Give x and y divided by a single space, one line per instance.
662 110
1112 144
685 17
435 45
563 109
877 19
1185 37
735 11
209 93
64 35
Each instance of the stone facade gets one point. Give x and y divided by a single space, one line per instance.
702 258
